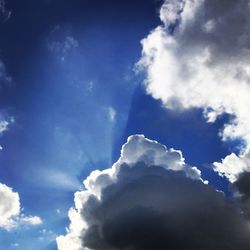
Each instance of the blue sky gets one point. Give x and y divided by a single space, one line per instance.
72 95
61 99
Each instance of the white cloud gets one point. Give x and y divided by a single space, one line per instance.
111 113
30 220
9 207
56 179
199 58
137 149
3 126
5 122
10 210
232 166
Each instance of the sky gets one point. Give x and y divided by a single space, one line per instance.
124 125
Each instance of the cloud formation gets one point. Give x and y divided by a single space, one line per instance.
9 206
151 199
199 58
10 210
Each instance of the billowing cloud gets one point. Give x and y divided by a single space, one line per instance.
151 199
199 58
10 210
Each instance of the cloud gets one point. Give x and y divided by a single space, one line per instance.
31 220
3 126
55 179
5 14
61 44
232 166
5 78
243 185
5 122
137 149
151 199
199 58
9 206
10 210
111 113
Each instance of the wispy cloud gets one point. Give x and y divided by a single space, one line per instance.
5 122
61 44
5 14
111 113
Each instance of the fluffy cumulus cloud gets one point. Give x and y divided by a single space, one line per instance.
151 199
10 210
9 206
199 58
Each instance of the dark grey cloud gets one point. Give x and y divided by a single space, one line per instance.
137 205
242 187
243 184
155 208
